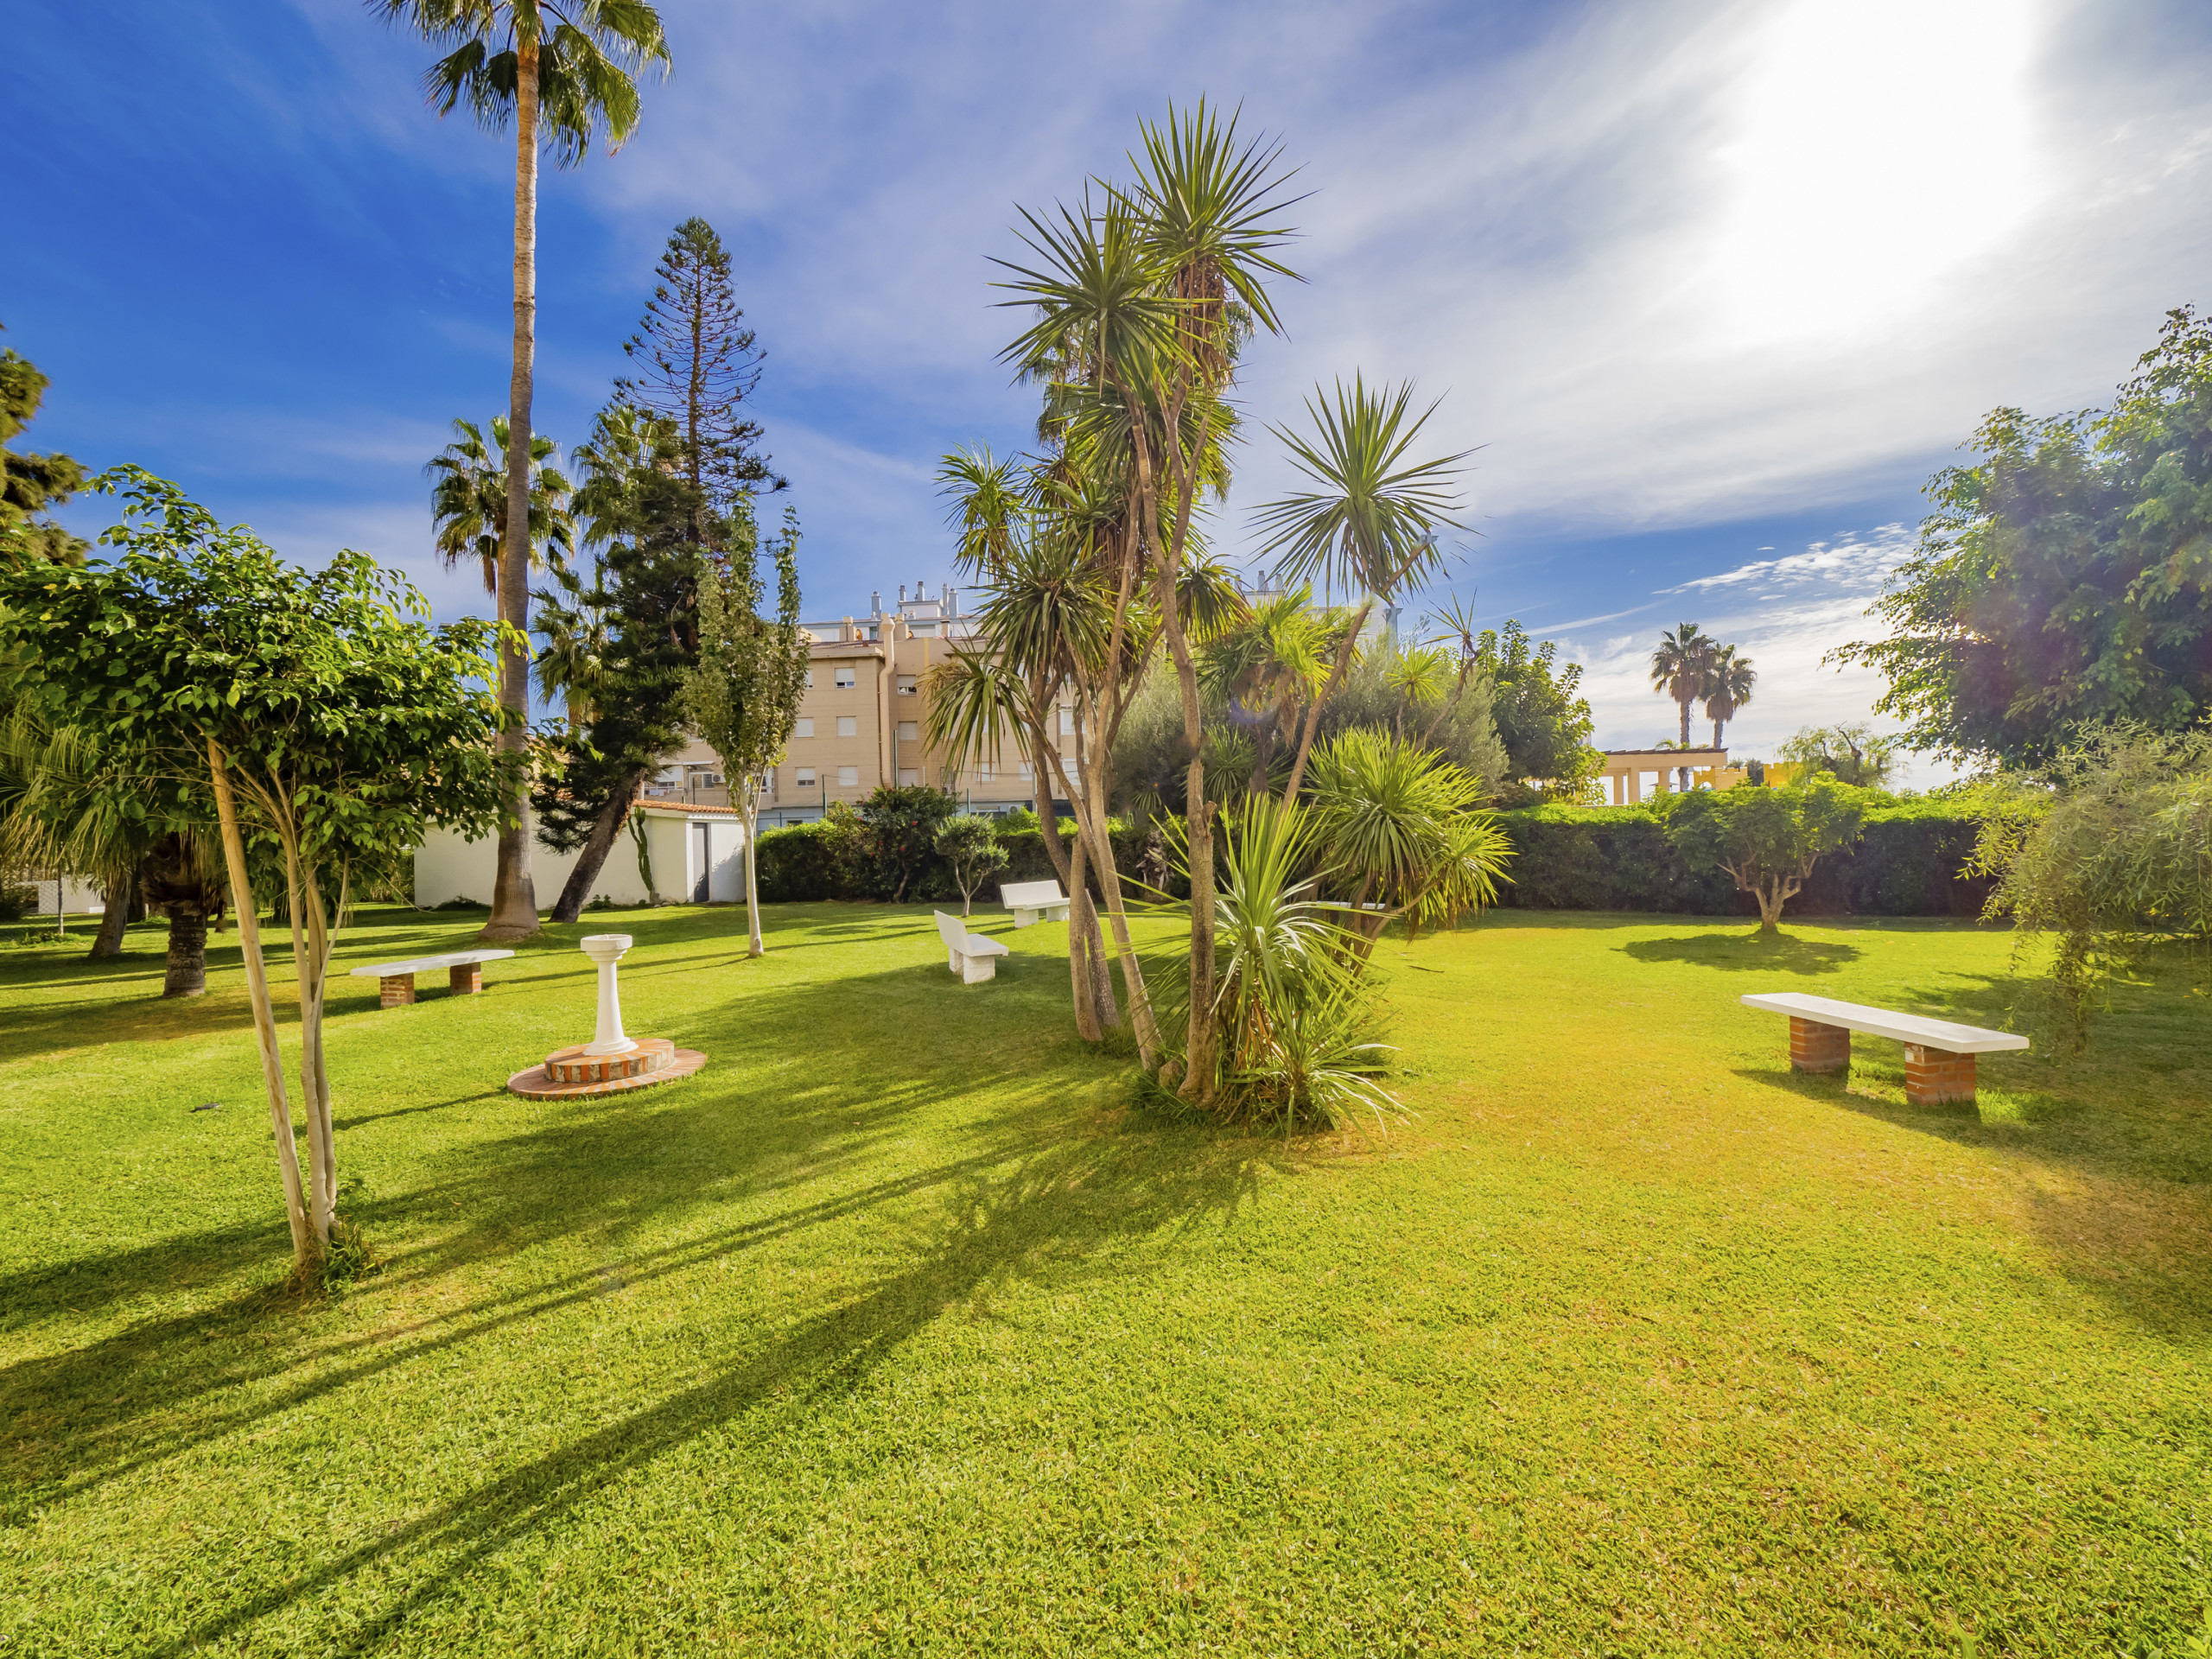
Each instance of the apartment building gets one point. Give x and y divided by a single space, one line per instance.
861 718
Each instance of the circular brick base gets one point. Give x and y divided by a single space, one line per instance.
570 1073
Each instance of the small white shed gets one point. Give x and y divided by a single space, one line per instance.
698 854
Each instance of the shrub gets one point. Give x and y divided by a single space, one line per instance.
1909 861
1767 840
969 846
16 903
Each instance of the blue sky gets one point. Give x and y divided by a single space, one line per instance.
1714 287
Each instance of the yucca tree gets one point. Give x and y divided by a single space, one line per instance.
1369 525
1050 621
1681 667
1727 688
1148 299
1268 668
1292 1015
1405 827
468 502
564 73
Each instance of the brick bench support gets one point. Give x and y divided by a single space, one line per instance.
1933 1076
466 979
394 990
1939 1054
1817 1048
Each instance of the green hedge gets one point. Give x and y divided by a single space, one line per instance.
812 862
1617 858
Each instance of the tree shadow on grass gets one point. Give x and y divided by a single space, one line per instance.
806 1086
2129 1219
1752 952
1052 1218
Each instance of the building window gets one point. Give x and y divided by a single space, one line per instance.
849 726
908 777
849 777
803 777
906 686
848 678
1026 770
983 773
1067 723
910 731
805 727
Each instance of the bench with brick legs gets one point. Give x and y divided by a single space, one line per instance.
1938 1055
396 980
1034 901
968 955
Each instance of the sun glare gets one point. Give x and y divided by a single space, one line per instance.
1878 143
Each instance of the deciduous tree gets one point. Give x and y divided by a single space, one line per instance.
330 728
2065 578
1768 840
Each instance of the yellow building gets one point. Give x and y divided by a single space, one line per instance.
862 716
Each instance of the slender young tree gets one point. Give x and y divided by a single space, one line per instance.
743 695
696 363
564 73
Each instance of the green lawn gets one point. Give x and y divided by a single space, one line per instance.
902 1328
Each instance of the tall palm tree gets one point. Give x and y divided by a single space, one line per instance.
1370 528
1680 668
1727 688
565 72
468 501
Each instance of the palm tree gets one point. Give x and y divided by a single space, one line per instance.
1681 668
565 71
468 501
1727 688
1371 527
1406 827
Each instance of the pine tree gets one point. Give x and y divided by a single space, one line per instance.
696 364
34 483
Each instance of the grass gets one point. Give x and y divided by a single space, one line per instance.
900 1329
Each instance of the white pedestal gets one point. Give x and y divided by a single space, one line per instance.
606 950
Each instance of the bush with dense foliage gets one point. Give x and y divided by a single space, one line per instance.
1767 841
1909 862
2109 851
807 862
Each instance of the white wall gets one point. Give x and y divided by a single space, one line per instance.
78 896
448 867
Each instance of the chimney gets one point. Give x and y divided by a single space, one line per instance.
845 631
875 604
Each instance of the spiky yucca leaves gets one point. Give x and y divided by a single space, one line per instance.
1294 1026
1404 827
1369 525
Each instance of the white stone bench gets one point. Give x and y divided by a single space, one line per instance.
1034 901
968 955
396 980
1938 1054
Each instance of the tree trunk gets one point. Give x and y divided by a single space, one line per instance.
1683 772
597 845
1313 714
310 951
1081 989
756 942
121 894
265 1016
187 959
645 856
514 899
1197 817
